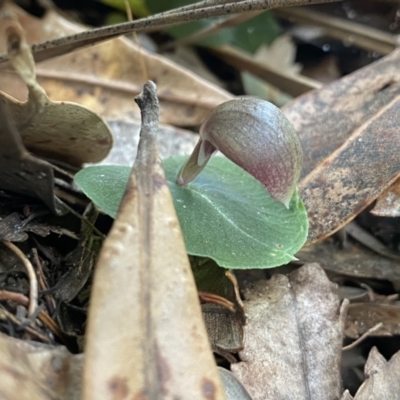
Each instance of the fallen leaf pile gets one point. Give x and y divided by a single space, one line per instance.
129 315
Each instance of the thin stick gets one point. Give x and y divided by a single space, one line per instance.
215 299
51 304
57 47
43 315
18 298
362 337
33 284
212 29
26 328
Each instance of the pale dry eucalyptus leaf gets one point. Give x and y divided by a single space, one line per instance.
145 336
34 371
58 130
346 396
293 337
106 77
382 378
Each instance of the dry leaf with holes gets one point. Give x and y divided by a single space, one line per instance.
146 337
293 337
64 131
349 131
106 77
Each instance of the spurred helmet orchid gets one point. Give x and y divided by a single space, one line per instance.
255 135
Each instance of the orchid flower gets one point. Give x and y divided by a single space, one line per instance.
256 136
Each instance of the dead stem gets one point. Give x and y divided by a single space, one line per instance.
57 47
27 328
33 284
362 337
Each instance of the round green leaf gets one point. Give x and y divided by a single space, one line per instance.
225 213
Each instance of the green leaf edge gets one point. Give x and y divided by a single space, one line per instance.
112 211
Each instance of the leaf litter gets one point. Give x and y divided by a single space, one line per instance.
379 383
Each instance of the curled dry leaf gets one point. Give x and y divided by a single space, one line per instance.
106 77
21 172
146 337
59 130
293 337
348 131
33 371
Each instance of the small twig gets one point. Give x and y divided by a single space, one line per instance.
370 241
57 47
216 299
43 315
19 298
85 220
43 282
33 284
362 337
28 329
350 32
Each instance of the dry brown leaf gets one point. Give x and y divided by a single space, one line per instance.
294 85
293 337
353 260
21 172
349 135
60 130
146 337
388 203
33 371
280 56
107 76
382 378
363 316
